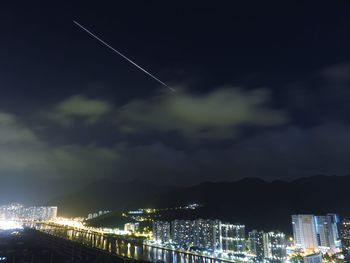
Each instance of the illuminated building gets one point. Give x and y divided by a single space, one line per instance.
36 213
183 232
313 258
200 233
131 227
43 213
161 231
207 234
328 237
304 231
275 246
233 238
136 212
345 233
51 212
317 233
256 244
11 212
97 214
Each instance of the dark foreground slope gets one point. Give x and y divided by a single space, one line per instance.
30 245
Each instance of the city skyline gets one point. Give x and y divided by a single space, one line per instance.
315 237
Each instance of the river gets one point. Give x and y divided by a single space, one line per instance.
123 247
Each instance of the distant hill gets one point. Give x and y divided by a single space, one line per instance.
266 205
254 202
107 195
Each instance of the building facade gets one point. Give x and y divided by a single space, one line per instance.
256 244
345 234
32 213
207 234
304 232
161 232
275 246
317 233
132 227
233 238
183 233
328 235
202 234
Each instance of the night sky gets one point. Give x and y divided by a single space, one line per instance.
263 90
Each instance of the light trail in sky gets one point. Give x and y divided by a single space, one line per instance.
123 56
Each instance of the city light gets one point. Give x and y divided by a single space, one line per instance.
200 237
19 212
207 238
69 222
9 225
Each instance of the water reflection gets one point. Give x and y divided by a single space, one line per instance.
122 247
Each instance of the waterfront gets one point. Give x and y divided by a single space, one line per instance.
126 248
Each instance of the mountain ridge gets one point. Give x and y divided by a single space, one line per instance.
252 201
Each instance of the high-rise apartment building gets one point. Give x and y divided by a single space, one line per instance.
256 244
317 233
304 231
32 213
345 234
161 231
51 212
275 246
233 238
183 232
207 234
328 235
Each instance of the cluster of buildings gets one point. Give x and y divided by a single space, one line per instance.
217 237
141 214
97 214
314 236
201 234
14 212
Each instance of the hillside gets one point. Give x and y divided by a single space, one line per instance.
254 202
107 195
266 205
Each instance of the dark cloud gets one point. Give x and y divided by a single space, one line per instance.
284 154
23 152
215 115
338 73
295 151
323 97
276 147
79 107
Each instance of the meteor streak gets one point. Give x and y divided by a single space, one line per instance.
123 56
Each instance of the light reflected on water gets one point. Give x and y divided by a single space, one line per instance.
124 248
